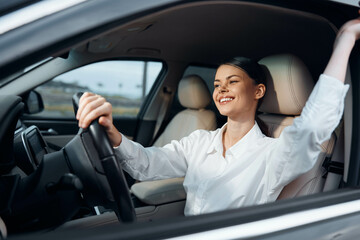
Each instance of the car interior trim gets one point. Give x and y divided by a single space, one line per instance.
279 223
353 177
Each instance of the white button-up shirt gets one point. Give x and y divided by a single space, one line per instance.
254 170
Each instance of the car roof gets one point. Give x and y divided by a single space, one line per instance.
203 32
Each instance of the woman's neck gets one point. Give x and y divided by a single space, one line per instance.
236 130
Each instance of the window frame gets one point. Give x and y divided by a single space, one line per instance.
146 101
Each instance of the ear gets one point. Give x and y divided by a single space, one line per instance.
260 91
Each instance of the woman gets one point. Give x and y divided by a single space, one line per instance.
238 165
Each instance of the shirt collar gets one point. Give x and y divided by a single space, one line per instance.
216 145
248 140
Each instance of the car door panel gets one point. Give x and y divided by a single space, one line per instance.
59 132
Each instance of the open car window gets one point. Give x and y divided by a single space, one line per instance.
124 83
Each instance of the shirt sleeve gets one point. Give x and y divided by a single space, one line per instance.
154 163
299 145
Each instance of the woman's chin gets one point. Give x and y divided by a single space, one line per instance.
224 113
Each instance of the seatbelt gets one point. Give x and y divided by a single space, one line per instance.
162 112
333 166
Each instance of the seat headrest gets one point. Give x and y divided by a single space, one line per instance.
193 92
289 84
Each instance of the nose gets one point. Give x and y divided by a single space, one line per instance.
223 88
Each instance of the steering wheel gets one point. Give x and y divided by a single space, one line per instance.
109 167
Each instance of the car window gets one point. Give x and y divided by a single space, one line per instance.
125 84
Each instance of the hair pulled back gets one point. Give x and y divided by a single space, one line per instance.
254 70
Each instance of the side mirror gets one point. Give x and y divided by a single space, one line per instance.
33 103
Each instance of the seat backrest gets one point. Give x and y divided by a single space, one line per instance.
289 84
194 95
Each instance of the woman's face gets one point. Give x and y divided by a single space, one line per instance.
235 94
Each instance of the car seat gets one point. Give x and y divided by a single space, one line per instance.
194 95
289 84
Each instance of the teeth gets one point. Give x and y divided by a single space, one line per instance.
225 99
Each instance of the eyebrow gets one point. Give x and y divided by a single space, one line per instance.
228 77
234 75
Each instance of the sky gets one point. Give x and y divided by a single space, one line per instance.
351 2
114 77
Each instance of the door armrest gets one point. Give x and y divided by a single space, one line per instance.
160 191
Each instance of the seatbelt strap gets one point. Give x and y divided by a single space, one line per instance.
162 112
333 166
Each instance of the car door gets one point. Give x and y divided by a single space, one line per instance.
222 220
124 83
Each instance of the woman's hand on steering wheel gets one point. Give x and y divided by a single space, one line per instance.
92 111
93 106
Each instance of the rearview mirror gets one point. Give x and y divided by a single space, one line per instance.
33 103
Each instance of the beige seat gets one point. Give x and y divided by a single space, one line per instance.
289 85
194 95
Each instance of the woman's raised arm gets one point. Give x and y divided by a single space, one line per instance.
344 43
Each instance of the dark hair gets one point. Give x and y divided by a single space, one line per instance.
255 72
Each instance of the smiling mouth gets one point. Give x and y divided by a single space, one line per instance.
226 100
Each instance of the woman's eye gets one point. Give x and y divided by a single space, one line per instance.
232 82
216 85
